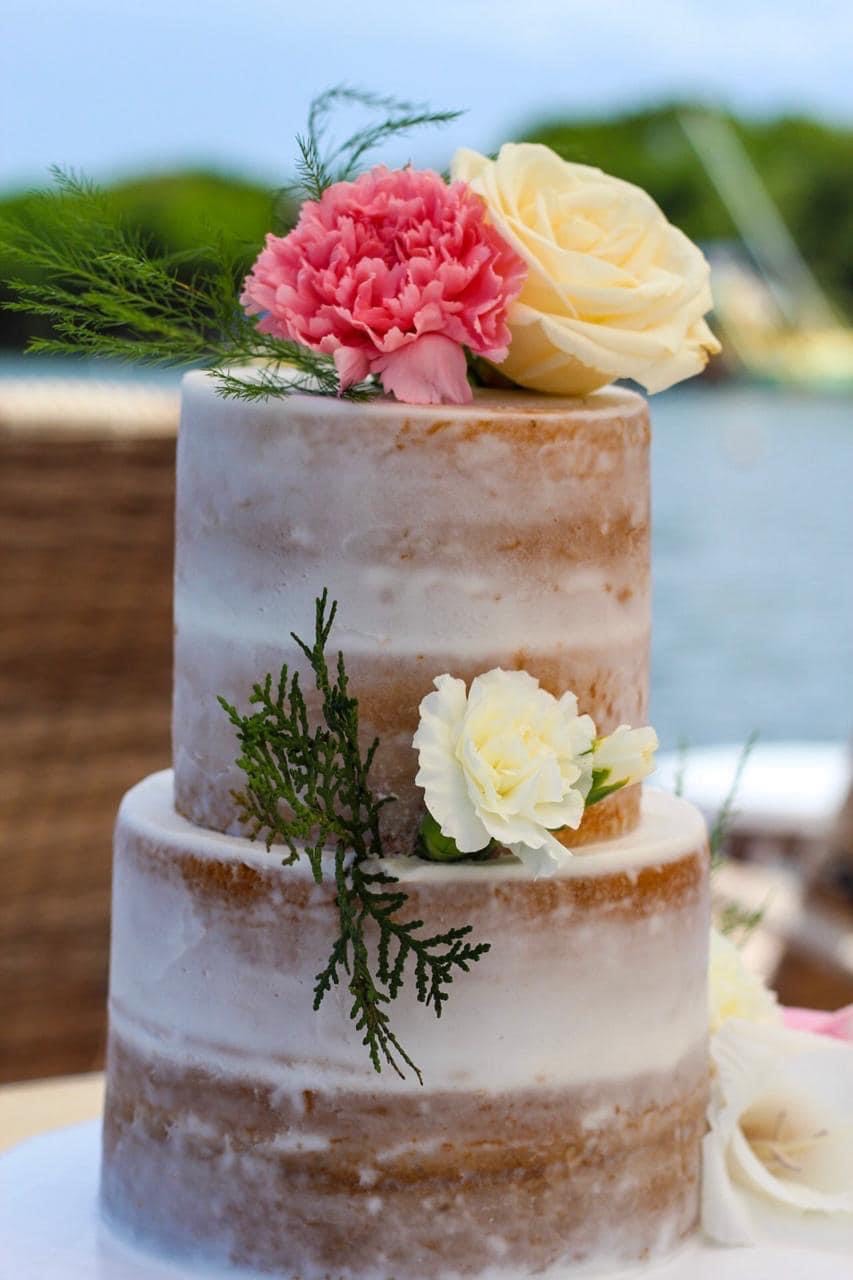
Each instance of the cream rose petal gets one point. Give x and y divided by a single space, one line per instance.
781 1129
613 290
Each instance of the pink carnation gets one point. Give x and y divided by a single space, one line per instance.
391 274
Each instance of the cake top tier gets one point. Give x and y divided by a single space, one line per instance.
512 532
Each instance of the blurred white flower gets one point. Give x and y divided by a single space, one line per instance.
734 990
781 1128
507 762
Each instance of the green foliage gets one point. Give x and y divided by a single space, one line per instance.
738 922
805 164
307 788
807 168
127 276
186 224
99 286
722 823
106 291
434 846
601 788
321 163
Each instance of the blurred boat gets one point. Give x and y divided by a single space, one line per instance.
776 317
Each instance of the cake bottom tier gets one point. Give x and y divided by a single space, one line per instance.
564 1091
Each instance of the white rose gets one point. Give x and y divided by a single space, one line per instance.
504 762
736 992
624 757
613 290
781 1131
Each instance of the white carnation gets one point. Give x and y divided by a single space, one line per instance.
505 761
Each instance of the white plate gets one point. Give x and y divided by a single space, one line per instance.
50 1229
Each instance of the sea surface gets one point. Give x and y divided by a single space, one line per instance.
753 565
753 560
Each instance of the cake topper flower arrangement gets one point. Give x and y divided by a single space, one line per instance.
549 274
394 275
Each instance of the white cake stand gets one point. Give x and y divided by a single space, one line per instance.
50 1230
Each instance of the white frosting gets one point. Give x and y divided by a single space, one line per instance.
549 1006
448 543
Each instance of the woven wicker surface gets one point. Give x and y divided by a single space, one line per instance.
86 531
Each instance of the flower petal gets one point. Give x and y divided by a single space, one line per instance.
439 773
381 261
839 1024
430 370
725 1213
781 1124
352 365
543 860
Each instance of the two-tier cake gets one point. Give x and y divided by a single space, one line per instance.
448 821
411 674
565 1084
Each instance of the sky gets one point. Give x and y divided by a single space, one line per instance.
116 87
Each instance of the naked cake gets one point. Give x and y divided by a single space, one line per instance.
565 1083
410 977
291 902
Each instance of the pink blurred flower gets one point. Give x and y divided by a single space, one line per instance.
839 1025
391 274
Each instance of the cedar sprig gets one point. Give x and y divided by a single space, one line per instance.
308 789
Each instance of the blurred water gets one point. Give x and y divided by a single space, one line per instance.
753 565
753 559
13 365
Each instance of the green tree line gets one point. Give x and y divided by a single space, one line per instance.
805 165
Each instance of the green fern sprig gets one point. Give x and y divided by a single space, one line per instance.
320 163
105 292
103 289
307 788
